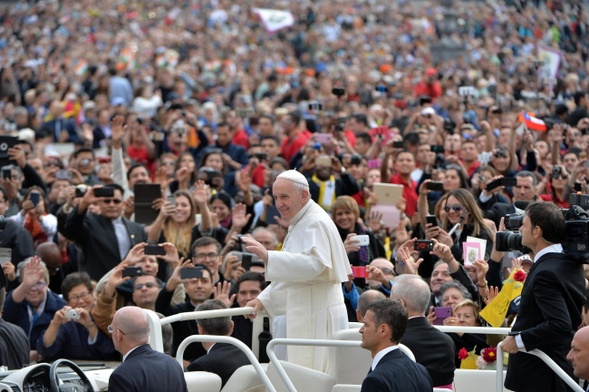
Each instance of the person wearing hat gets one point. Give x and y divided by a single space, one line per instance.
306 275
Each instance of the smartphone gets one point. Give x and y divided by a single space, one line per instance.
104 192
171 200
505 181
246 259
154 250
398 145
35 198
423 245
132 271
431 219
435 186
556 171
63 174
323 138
191 272
6 173
359 272
442 313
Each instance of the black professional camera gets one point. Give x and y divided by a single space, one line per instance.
509 240
576 229
513 221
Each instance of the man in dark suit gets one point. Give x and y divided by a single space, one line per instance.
61 129
143 369
105 239
524 190
385 323
550 304
222 358
198 291
432 348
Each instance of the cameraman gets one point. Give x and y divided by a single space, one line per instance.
550 305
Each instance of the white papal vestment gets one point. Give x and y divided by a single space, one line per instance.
306 278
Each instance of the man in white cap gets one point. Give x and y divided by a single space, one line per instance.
305 297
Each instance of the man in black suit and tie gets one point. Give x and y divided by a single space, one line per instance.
385 323
550 304
432 348
143 369
105 239
579 354
222 358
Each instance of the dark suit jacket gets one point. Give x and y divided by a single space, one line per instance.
18 314
222 359
65 125
496 211
182 329
432 349
549 314
396 372
96 237
147 370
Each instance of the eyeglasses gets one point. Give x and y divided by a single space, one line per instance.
149 285
81 296
204 256
39 285
167 164
109 201
387 271
455 207
111 329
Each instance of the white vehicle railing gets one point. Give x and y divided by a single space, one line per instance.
230 340
547 360
155 335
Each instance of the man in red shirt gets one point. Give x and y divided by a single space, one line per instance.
469 157
404 164
295 137
429 85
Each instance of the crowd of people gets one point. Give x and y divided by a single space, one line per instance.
229 124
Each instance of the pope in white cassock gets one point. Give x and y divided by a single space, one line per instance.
306 275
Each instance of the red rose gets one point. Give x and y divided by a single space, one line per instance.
489 354
462 354
519 276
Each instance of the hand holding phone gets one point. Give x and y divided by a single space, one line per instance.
191 272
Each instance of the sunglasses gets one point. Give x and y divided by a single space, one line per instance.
109 201
455 207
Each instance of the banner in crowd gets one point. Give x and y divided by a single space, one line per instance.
274 20
550 58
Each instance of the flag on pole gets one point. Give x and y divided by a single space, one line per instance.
274 20
532 123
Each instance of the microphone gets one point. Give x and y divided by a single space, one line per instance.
456 226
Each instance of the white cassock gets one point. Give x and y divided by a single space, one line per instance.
306 278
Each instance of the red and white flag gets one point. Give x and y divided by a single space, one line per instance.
532 123
274 20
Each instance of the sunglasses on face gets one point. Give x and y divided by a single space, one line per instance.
455 207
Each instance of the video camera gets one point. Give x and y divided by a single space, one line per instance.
576 238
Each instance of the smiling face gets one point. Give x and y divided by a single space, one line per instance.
455 212
345 219
214 161
183 209
80 297
199 289
219 208
145 291
440 275
451 297
288 198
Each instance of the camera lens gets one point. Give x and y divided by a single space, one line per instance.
507 240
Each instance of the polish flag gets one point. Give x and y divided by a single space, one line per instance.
532 123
